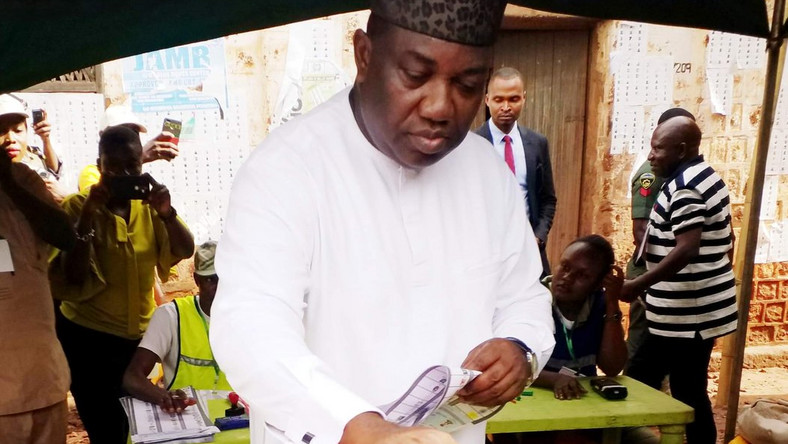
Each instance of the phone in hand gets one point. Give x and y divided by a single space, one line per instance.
608 388
38 116
128 187
174 127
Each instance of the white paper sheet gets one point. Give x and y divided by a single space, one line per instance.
769 197
6 263
720 83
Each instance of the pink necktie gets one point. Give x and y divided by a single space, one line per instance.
508 155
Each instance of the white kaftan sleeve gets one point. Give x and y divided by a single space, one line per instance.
523 308
257 330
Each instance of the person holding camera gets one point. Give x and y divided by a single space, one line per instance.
162 147
126 229
44 161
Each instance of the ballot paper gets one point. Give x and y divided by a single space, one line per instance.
432 401
149 424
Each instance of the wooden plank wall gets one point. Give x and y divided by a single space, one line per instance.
554 64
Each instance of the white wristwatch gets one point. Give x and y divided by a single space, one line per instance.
530 358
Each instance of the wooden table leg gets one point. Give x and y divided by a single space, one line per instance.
611 436
671 434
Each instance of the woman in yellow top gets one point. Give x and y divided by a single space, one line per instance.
106 281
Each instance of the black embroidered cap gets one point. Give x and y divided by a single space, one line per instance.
469 22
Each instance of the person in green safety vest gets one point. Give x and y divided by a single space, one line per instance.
178 338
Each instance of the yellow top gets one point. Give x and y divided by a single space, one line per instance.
117 295
88 177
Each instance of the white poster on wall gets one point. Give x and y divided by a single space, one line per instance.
313 70
183 78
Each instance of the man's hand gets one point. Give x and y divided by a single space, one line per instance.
160 147
567 387
159 198
630 290
175 401
504 373
371 428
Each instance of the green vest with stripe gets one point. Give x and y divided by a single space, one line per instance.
196 366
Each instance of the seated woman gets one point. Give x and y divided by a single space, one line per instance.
588 333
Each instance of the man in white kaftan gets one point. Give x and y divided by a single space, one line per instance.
353 258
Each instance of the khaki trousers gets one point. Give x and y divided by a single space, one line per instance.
43 426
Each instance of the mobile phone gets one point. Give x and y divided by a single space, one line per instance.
173 126
38 115
609 388
128 187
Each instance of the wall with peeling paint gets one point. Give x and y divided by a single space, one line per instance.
728 142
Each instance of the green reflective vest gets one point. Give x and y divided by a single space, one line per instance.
196 366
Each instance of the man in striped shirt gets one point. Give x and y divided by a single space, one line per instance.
689 285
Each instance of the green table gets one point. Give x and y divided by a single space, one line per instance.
216 409
643 407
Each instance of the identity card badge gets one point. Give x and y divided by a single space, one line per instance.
6 264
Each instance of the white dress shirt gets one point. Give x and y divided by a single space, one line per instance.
345 275
518 150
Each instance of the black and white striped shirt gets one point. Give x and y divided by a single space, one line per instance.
701 298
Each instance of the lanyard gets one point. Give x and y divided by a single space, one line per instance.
568 338
213 360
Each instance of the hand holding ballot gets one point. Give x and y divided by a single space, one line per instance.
505 372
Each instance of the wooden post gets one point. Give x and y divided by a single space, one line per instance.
733 353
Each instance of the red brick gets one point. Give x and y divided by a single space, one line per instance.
765 271
781 333
760 335
766 290
774 312
756 313
781 269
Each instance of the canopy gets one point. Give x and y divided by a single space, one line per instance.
40 40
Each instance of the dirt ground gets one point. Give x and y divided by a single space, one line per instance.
756 383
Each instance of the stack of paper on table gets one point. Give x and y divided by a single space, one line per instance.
149 424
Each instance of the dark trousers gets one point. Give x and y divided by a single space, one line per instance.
97 361
545 263
638 328
686 363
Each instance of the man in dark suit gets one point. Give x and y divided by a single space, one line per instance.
524 150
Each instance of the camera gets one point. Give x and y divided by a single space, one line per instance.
128 187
